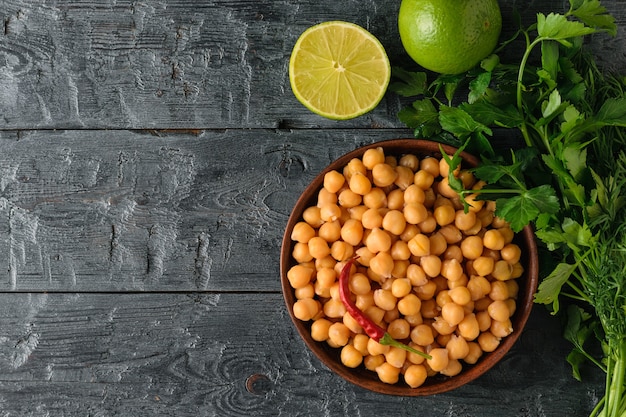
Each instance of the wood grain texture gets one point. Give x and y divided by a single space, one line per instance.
189 64
233 355
122 210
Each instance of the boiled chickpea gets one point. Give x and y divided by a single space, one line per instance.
326 277
478 287
451 269
385 299
318 247
454 368
438 243
371 362
501 328
333 181
468 327
409 305
350 356
416 275
442 327
395 200
396 356
373 156
383 175
404 177
414 194
308 291
374 348
463 220
394 222
439 359
330 212
484 320
444 188
498 310
302 232
483 265
475 352
306 309
319 329
359 284
360 184
410 161
354 166
388 373
426 291
372 219
351 323
431 265
458 348
444 214
351 232
419 245
460 295
299 275
330 231
334 309
401 287
378 241
493 239
511 253
488 342
431 165
502 270
472 247
452 313
415 375
301 252
400 251
415 213
339 334
422 335
399 266
325 197
429 308
429 224
499 291
399 329
348 198
359 341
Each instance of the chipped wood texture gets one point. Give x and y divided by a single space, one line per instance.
150 153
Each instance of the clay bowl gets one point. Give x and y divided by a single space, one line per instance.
368 379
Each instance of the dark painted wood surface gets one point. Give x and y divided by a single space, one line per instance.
150 153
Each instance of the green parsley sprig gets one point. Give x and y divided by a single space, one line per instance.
568 177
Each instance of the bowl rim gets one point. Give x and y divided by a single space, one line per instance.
367 379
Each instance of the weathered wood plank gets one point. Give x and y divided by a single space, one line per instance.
188 64
234 355
121 210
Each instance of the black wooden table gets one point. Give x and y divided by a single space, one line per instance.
150 153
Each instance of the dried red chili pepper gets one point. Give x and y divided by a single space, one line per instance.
372 329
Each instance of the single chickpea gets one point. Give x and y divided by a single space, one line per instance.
483 265
326 197
399 329
339 334
372 219
464 221
384 299
444 189
352 324
438 243
501 328
391 315
507 233
395 199
415 375
426 291
499 291
384 175
374 348
330 231
311 215
371 362
334 309
373 156
419 245
396 356
394 222
415 213
301 252
475 352
360 184
429 308
333 181
457 346
378 241
365 301
414 194
359 284
375 198
484 320
488 342
350 356
409 305
478 286
308 291
299 275
416 275
460 295
439 359
319 329
348 198
400 251
498 310
493 239
359 341
330 212
302 232
352 232
399 266
422 335
452 313
404 177
443 328
468 327
454 368
410 161
429 224
423 179
472 247
511 253
318 247
453 252
444 214
326 277
431 265
356 212
502 270
388 373
306 309
401 287
354 166
431 165
451 269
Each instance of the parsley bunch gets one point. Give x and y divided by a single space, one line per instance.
568 176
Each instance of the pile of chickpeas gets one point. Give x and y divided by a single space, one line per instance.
436 276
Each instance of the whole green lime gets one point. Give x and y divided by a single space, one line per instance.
449 36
